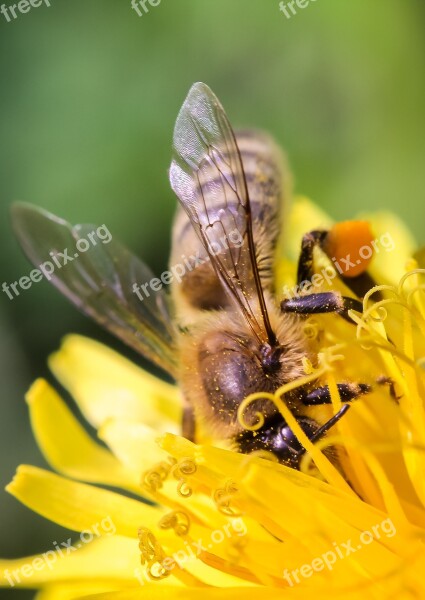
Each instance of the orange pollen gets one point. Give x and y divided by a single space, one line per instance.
351 245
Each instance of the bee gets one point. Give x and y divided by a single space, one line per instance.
223 336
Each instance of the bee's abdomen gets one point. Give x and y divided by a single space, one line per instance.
267 178
265 173
268 183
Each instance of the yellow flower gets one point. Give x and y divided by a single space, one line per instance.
226 525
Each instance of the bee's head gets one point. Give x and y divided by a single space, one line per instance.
276 437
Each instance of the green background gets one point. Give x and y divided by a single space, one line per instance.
89 95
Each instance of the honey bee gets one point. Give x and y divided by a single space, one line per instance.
225 335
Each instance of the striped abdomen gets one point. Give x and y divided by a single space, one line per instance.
268 184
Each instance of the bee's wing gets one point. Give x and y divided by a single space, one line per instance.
208 177
100 282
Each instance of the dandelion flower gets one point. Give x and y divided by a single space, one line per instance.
180 519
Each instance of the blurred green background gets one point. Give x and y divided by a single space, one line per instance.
89 96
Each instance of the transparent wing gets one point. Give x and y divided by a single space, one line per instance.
208 177
99 281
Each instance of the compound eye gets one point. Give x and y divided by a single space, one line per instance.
289 439
292 451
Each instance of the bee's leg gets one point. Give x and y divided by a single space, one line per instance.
347 392
306 259
323 302
359 284
188 423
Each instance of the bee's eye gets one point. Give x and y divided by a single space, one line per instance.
290 450
307 425
277 437
289 439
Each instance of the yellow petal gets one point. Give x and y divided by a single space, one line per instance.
304 217
84 508
187 593
395 246
71 590
74 590
316 516
106 385
111 558
302 592
65 444
134 444
78 506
